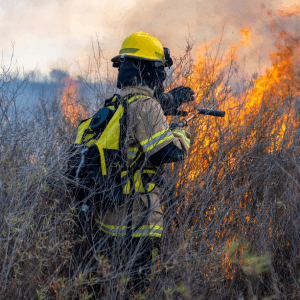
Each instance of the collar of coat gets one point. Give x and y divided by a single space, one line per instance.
142 89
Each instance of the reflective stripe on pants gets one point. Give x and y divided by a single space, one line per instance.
145 230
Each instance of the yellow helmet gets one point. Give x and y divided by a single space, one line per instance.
141 45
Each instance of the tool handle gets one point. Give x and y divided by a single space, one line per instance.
211 112
203 111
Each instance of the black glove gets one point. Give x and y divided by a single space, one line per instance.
173 99
181 95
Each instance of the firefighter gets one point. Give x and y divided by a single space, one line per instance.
149 144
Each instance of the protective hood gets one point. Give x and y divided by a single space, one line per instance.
140 72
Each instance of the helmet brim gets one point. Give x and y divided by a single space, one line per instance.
117 58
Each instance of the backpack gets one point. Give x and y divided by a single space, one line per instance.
96 159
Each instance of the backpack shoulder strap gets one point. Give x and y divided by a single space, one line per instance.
115 100
134 97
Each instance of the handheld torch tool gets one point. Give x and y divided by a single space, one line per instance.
200 111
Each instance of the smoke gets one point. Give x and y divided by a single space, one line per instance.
175 21
172 21
58 33
55 33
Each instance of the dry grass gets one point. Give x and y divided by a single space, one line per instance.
233 232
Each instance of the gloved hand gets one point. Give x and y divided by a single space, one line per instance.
173 99
181 94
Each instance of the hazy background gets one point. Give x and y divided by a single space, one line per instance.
50 34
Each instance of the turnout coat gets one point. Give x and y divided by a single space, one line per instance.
148 131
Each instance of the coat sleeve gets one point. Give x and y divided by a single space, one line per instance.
152 131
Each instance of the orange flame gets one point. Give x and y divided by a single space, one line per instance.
72 109
245 115
246 41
